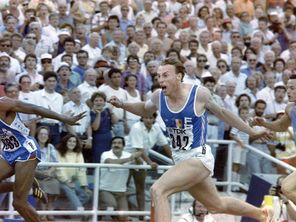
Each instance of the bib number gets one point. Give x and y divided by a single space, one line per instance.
180 142
10 143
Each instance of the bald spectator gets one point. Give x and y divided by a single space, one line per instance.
216 54
267 93
204 39
191 76
231 97
235 75
269 58
44 44
92 48
88 87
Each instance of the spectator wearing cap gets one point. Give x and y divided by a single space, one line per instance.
51 31
59 45
278 104
31 70
44 44
46 63
82 58
64 84
88 87
50 99
94 52
6 46
64 18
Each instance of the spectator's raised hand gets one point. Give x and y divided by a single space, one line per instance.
115 102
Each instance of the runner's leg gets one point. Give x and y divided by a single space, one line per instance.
180 177
289 187
5 172
24 174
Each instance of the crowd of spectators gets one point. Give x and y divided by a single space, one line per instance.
72 56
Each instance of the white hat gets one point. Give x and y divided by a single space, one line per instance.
4 54
46 56
63 64
63 32
273 12
206 74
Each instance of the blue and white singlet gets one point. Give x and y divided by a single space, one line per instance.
16 143
186 129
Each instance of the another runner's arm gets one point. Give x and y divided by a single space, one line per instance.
143 109
224 114
11 105
279 125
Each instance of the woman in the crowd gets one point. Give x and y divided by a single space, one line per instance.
133 95
73 180
47 175
102 119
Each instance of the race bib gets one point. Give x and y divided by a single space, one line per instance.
30 145
181 139
10 143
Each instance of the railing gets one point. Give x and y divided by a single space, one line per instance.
94 212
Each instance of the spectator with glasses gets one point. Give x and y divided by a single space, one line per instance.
222 66
201 66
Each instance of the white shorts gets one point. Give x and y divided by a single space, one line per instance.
239 155
202 153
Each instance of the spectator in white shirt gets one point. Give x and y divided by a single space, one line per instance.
83 130
144 135
92 48
51 31
235 75
50 99
88 87
113 89
267 93
44 44
113 182
278 103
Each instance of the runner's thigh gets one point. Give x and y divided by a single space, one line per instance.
182 176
